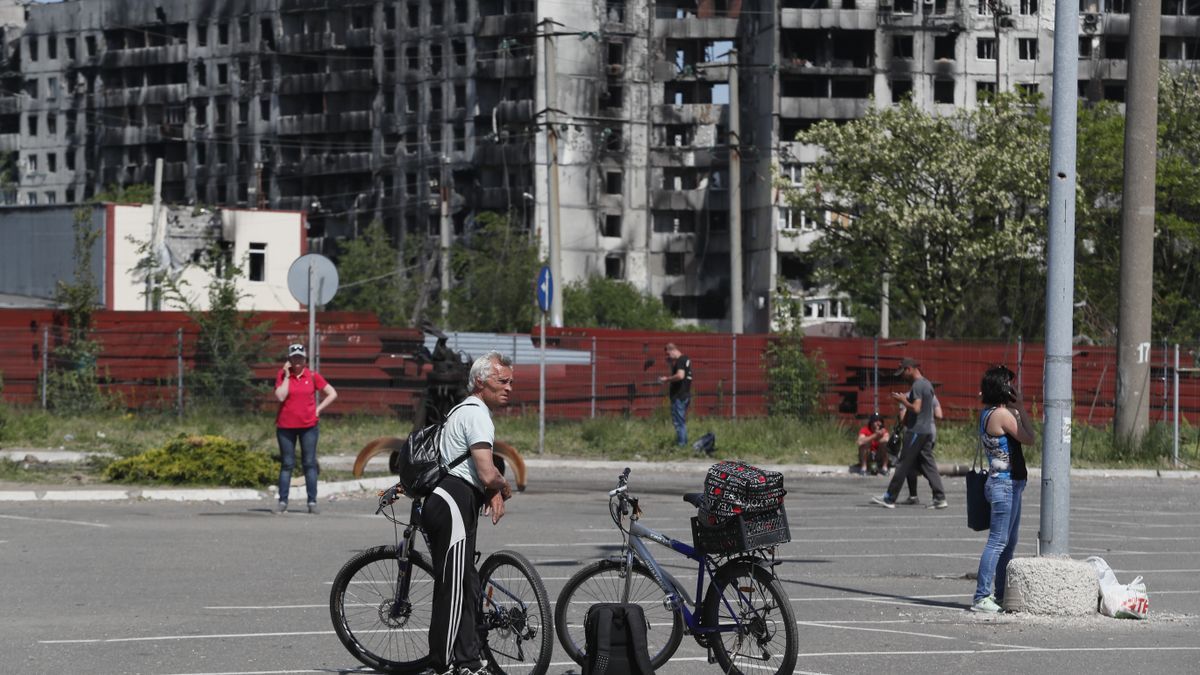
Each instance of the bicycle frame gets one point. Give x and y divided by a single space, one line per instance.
404 545
680 601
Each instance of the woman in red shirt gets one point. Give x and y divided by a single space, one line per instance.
297 420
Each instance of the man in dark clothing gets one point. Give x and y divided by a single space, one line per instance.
681 390
917 451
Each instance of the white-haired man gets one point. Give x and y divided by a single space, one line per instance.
451 515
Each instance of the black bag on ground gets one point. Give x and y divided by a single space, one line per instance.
419 460
733 487
979 511
616 640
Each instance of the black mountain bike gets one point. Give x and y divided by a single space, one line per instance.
382 600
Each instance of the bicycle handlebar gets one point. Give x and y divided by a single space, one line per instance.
389 497
622 483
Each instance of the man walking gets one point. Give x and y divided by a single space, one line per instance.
451 515
680 391
917 449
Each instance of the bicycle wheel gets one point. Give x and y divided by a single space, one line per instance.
604 581
766 640
361 602
519 637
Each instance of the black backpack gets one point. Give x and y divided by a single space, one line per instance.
419 460
616 640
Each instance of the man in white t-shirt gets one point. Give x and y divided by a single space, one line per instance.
451 515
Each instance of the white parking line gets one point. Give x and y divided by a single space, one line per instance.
54 520
158 638
823 624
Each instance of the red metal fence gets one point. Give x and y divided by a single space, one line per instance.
146 358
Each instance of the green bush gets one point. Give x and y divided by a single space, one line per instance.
197 460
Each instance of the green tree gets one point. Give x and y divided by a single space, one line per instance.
950 206
72 383
1177 214
376 278
138 193
795 380
611 303
495 268
230 341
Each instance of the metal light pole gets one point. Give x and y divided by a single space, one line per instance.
1054 530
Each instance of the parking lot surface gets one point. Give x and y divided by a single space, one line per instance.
173 588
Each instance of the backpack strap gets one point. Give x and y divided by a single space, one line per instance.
463 457
635 626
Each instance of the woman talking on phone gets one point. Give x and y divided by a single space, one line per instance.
1004 426
298 420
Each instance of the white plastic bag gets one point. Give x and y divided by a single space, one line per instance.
1122 601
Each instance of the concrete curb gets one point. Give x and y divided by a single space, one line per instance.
345 462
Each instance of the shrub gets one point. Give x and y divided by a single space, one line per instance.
197 460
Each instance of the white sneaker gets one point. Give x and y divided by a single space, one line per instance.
882 501
987 606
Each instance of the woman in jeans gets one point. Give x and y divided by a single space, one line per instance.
1004 426
298 421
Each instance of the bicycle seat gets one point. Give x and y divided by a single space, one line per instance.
695 499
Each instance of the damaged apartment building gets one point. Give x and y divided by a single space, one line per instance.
413 112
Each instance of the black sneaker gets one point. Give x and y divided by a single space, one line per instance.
912 501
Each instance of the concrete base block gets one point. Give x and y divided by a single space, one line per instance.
1051 586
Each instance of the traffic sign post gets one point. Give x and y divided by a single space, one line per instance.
544 290
313 280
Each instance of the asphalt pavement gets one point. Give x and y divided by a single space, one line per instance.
167 587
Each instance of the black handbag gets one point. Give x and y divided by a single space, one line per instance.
979 510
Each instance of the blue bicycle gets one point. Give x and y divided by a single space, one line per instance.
744 619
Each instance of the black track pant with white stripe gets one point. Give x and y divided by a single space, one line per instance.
450 517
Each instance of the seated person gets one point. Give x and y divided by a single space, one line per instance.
872 442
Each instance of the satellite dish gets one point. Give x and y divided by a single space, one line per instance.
318 270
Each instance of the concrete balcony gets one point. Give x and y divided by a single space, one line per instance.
511 67
823 108
690 113
144 56
138 96
507 24
306 83
854 19
323 124
310 42
351 80
716 28
689 200
662 156
346 162
10 142
1104 69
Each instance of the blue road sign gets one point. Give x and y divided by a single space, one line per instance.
544 289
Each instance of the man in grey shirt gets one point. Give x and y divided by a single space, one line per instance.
917 451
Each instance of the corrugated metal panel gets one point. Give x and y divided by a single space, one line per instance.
37 250
517 346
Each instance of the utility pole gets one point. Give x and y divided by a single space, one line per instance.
1054 525
1137 226
736 317
884 308
999 10
445 237
152 291
554 227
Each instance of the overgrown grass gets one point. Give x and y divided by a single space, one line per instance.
769 439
